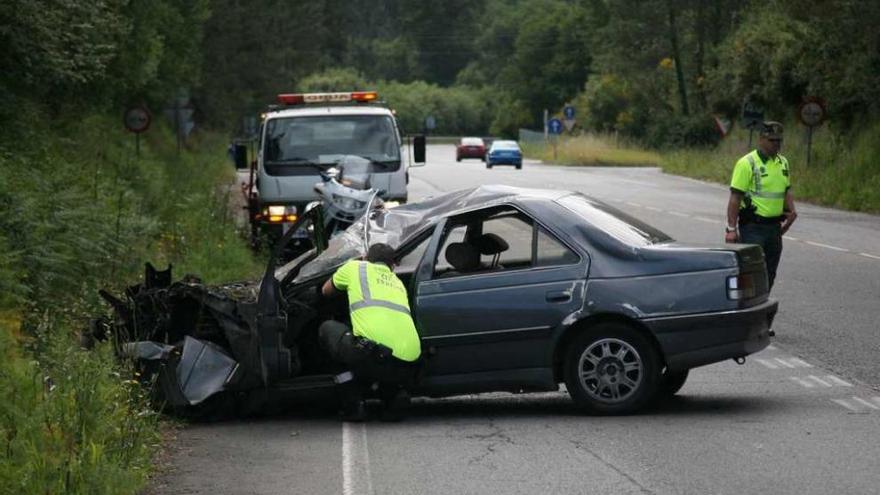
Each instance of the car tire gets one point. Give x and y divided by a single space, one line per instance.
611 369
488 165
458 159
519 166
672 383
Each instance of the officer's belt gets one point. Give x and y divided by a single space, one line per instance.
764 220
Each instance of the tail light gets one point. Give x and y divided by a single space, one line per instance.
741 286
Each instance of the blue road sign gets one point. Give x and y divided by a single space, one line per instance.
554 126
568 112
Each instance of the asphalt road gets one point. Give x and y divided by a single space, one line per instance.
801 417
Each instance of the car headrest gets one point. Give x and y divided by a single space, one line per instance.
491 244
463 256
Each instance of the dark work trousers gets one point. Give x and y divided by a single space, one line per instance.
369 362
769 237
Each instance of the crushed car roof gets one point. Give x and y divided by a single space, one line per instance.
395 225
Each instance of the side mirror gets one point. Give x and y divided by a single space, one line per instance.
418 151
240 155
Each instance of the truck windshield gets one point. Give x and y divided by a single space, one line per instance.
315 142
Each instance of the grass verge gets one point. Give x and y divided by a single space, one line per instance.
591 150
83 212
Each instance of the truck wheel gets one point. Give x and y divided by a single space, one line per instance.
612 369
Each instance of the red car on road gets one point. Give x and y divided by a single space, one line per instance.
470 147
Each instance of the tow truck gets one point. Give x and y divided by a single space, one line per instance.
306 134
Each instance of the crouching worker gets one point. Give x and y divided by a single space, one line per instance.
382 347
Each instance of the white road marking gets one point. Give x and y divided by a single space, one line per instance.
865 403
826 246
846 404
838 381
870 256
801 363
683 215
633 204
652 208
790 238
355 459
704 219
802 382
819 381
767 364
785 363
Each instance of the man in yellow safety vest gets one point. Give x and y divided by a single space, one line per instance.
761 208
381 346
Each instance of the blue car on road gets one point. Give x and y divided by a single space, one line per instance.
504 153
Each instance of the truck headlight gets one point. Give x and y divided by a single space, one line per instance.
280 213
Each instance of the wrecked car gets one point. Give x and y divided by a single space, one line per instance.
511 289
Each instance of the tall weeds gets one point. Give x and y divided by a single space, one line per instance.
80 211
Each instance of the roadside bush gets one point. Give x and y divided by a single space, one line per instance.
674 131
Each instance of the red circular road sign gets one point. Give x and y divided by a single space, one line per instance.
812 112
137 119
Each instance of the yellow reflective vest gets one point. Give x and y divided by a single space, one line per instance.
764 182
379 307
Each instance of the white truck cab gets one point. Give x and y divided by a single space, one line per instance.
311 132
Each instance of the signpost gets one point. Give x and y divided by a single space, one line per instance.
811 113
137 120
568 113
554 127
430 123
752 116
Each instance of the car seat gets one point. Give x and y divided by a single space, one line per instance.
463 257
490 244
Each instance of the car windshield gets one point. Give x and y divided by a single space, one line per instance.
614 222
325 140
505 145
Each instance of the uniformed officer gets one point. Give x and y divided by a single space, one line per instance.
761 208
382 345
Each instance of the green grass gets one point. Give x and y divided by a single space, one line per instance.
843 173
591 150
82 212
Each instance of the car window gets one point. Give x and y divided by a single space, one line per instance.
442 265
614 222
552 252
516 230
472 142
505 145
409 263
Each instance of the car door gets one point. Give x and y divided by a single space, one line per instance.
501 314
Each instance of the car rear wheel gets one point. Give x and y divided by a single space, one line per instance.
488 165
458 158
612 369
672 383
519 166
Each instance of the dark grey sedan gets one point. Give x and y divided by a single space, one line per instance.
511 289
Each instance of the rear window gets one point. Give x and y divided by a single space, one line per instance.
471 142
614 222
505 145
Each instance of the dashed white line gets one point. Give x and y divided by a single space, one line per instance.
678 214
870 256
846 404
704 219
790 238
633 204
355 460
826 246
652 208
767 364
802 382
800 362
819 381
838 381
865 403
785 363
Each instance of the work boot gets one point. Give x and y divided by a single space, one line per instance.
396 407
